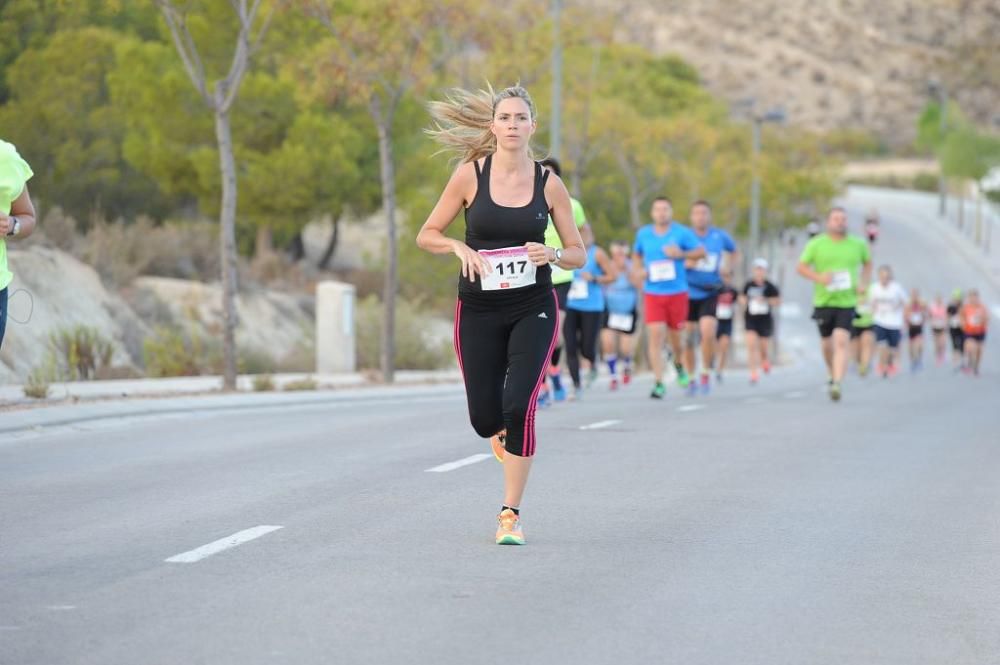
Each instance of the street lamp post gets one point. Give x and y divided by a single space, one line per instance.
555 131
775 115
937 89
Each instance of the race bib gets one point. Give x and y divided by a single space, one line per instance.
758 307
864 309
955 322
724 311
839 281
511 269
578 290
975 320
916 319
621 322
662 271
707 263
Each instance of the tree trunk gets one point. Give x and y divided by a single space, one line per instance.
384 127
297 248
331 245
263 245
227 230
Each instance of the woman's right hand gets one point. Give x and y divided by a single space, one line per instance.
472 261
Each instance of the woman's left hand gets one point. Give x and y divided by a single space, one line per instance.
538 253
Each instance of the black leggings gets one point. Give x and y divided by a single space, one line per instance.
581 330
504 356
3 313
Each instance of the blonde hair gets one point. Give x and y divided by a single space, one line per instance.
462 120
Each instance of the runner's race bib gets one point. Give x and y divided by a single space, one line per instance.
839 281
758 307
578 290
955 322
975 320
621 322
511 269
916 319
724 311
663 270
863 309
707 263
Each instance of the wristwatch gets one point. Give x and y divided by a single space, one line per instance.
15 227
558 256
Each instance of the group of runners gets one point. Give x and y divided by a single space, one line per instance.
677 280
865 321
886 312
536 290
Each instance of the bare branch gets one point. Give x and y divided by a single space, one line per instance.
244 49
185 48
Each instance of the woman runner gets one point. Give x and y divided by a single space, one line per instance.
938 313
17 215
506 317
916 316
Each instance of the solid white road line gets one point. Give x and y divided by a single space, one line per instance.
600 424
691 407
795 394
465 461
217 546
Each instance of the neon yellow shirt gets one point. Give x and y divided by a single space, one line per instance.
843 258
14 174
560 276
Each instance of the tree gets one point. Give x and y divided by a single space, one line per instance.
219 97
379 52
62 115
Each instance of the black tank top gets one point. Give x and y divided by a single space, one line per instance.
492 226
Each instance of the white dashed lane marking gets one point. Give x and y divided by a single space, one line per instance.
690 407
601 424
457 464
222 544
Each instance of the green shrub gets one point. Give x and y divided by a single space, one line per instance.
263 383
172 352
80 352
416 348
255 361
307 383
37 385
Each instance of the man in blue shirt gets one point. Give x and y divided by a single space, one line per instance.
661 250
705 282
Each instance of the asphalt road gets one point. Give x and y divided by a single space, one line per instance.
756 525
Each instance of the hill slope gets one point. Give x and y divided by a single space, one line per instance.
831 63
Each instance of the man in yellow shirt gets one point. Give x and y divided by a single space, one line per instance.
561 280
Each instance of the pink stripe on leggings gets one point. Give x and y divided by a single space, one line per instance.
529 420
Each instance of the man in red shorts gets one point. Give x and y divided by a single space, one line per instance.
661 248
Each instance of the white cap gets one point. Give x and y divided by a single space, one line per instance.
760 263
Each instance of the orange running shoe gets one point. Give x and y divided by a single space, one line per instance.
509 528
497 443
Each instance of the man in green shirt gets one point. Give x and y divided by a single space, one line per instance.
561 281
840 266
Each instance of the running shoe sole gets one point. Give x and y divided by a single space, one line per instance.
510 539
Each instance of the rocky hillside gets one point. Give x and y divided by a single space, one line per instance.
53 291
830 63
